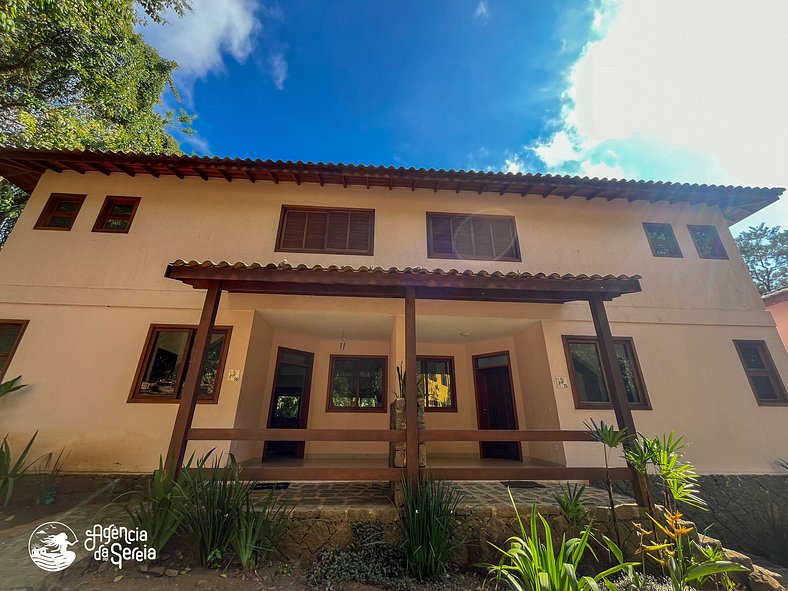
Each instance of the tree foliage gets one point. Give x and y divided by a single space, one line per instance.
765 250
77 75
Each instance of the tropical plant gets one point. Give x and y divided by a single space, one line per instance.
429 528
258 531
570 501
783 464
682 559
11 471
530 564
610 438
156 511
213 498
11 386
765 252
47 474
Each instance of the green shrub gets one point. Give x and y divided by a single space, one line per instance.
12 471
258 531
429 528
570 501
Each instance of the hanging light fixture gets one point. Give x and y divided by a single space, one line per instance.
342 341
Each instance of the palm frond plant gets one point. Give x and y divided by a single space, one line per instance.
640 454
259 530
570 502
47 474
679 479
11 386
11 471
530 564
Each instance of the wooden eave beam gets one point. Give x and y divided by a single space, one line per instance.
297 178
174 171
201 173
28 166
101 168
151 171
504 189
250 176
227 176
126 169
52 166
274 176
320 179
78 168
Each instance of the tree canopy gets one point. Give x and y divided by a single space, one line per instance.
765 250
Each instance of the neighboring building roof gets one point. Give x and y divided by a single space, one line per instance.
382 282
775 297
25 167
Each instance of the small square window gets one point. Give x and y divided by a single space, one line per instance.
11 332
436 383
357 384
60 212
707 242
764 379
116 214
662 240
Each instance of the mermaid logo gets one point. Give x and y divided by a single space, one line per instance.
49 546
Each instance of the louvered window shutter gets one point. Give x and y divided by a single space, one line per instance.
325 230
482 237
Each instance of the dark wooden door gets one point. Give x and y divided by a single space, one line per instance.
289 401
495 402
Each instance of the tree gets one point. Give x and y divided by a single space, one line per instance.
77 75
765 250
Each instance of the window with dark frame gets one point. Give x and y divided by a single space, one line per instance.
60 212
588 381
336 230
357 383
11 332
436 383
707 242
759 367
165 359
116 214
479 237
662 240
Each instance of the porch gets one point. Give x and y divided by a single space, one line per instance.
436 288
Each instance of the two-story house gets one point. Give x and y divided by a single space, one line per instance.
527 304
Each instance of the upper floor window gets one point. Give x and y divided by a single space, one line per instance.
707 242
759 367
436 383
588 380
60 212
165 360
662 240
357 383
315 229
481 237
10 334
116 214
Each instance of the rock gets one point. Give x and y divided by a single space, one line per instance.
144 567
156 570
760 580
102 567
117 579
738 558
171 572
201 583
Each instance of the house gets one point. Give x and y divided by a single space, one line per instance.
527 304
776 303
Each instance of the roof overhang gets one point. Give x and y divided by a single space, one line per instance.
391 283
25 167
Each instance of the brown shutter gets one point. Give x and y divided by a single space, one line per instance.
503 239
315 231
360 232
440 236
293 230
463 237
482 238
336 237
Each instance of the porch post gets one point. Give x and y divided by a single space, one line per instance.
615 382
191 386
411 396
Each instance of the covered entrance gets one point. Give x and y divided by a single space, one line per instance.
289 400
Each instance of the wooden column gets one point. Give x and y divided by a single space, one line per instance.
411 395
191 386
615 381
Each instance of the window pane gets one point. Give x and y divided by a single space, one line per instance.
59 221
435 383
764 388
493 361
370 379
9 333
625 364
751 355
164 363
208 380
589 380
121 209
67 206
707 242
287 407
662 240
115 224
344 383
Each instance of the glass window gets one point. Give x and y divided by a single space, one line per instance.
117 214
492 361
588 380
357 383
662 240
764 380
463 236
10 335
436 383
60 212
166 359
707 242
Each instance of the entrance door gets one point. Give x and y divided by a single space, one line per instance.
289 400
495 403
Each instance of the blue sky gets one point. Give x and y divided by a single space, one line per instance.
682 90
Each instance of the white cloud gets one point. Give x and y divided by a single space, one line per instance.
278 69
482 13
679 90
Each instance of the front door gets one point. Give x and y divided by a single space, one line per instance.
495 403
289 400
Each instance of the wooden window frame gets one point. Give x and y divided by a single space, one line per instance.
329 399
770 371
23 324
678 255
453 385
104 213
469 216
49 210
640 382
718 245
147 350
327 210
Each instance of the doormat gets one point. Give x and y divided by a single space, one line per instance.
271 486
521 484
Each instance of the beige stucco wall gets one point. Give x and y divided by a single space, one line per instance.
91 297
